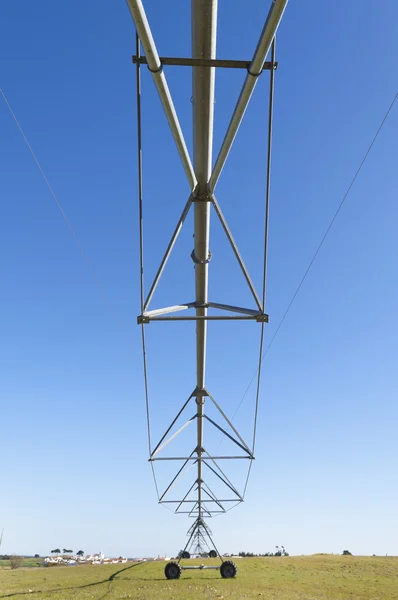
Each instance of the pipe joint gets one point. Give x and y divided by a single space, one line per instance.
253 74
199 261
156 71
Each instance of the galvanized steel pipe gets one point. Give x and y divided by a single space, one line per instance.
267 35
204 32
155 66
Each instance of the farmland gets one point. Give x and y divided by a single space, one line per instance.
288 578
27 562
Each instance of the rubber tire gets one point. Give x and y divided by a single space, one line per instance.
213 554
228 569
172 570
186 554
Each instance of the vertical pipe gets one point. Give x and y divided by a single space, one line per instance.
204 31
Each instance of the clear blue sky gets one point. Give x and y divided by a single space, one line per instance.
74 469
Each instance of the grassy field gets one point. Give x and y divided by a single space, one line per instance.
292 578
28 562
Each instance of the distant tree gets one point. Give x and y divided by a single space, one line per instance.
280 551
80 553
346 553
37 555
16 562
66 551
56 551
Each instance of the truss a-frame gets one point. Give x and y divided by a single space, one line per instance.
202 178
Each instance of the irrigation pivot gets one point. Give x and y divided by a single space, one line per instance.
200 502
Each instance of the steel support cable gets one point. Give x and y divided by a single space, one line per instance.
141 236
340 206
267 197
265 254
61 210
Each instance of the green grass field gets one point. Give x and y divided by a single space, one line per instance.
28 562
288 578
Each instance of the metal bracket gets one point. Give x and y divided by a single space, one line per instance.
142 320
197 261
155 71
205 197
197 393
263 318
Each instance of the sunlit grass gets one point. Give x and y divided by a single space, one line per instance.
287 578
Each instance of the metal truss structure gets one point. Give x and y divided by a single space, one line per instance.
200 501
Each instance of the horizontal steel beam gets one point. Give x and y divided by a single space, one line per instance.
196 458
259 318
158 314
205 62
193 501
200 567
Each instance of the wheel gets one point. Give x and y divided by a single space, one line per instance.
172 570
186 554
228 569
213 554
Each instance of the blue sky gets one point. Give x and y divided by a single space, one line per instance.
73 433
